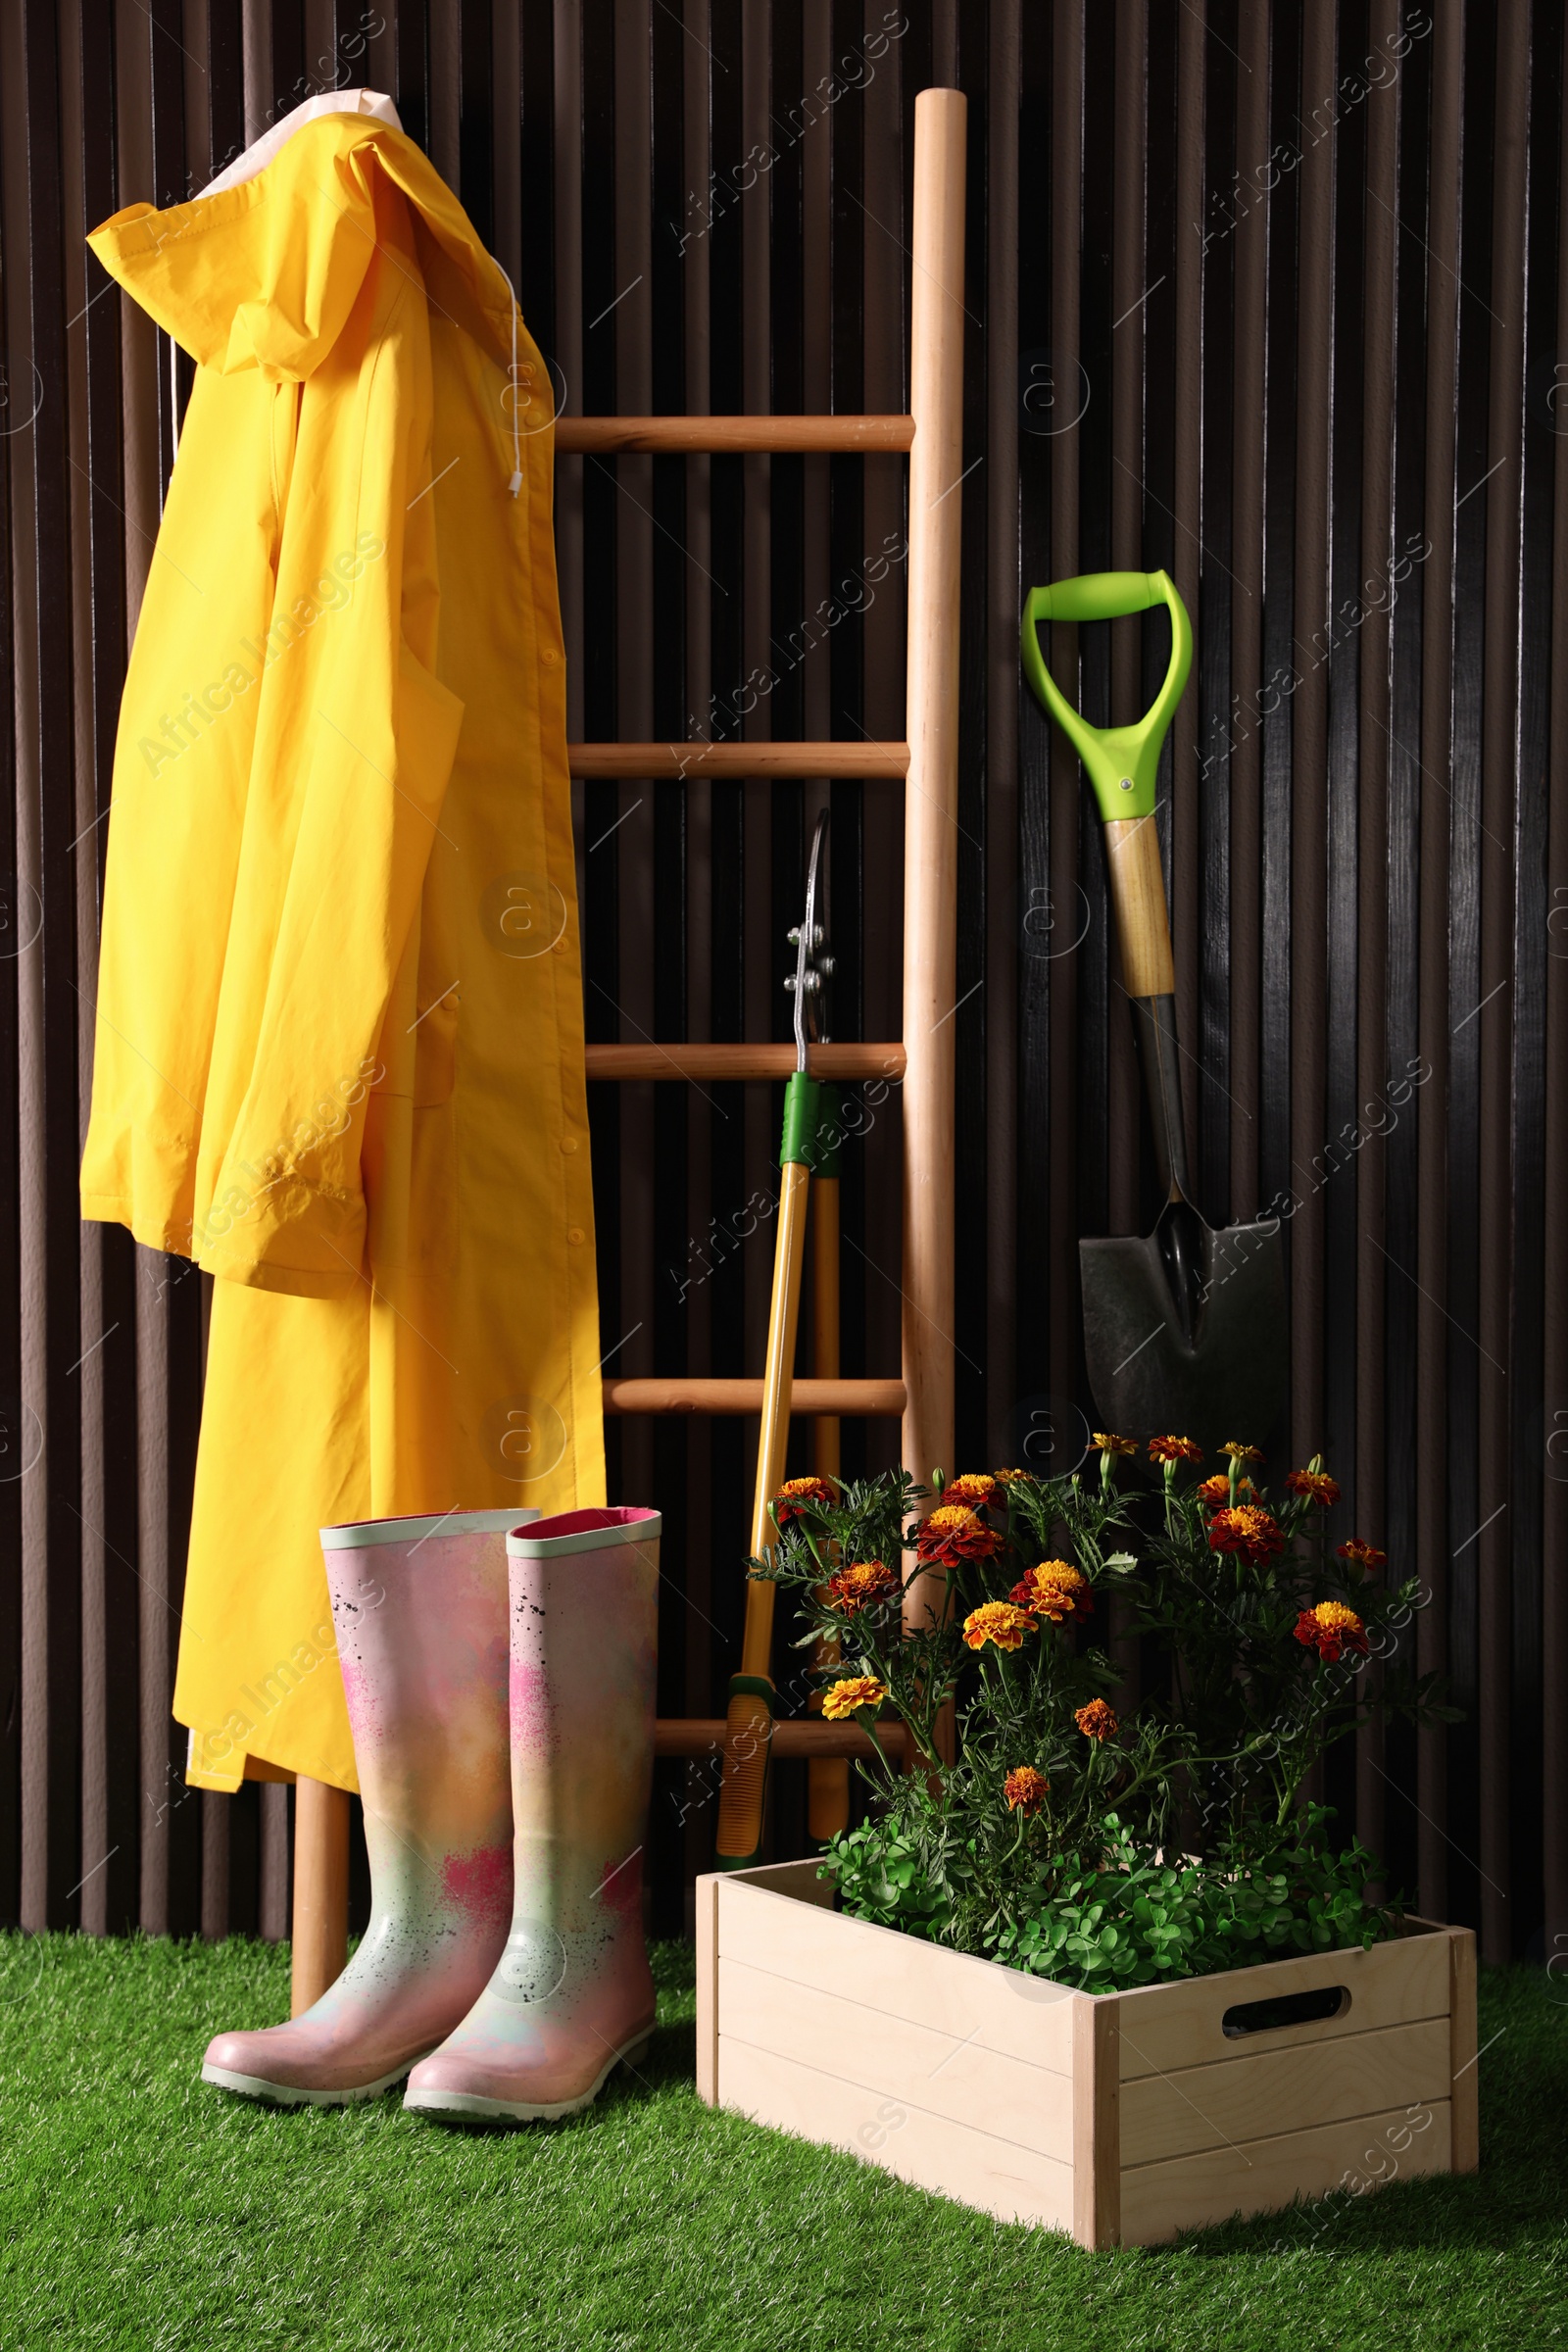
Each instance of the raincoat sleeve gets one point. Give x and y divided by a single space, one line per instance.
318 287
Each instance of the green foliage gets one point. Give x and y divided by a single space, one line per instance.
1060 1840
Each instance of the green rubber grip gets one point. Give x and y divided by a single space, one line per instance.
753 1685
802 1115
1123 764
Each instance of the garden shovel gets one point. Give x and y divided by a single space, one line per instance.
1184 1330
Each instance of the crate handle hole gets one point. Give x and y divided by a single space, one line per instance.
1288 2009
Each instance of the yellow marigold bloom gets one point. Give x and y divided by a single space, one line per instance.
976 1489
1000 1622
1216 1491
1331 1629
796 1490
1243 1454
953 1533
1097 1721
1055 1588
1109 1443
1174 1450
1025 1790
854 1692
862 1585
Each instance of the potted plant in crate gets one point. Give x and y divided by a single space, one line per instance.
1101 1961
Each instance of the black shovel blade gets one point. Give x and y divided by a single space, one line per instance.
1146 1377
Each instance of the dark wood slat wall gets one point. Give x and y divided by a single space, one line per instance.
1266 293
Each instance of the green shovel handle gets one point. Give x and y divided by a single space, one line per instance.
1120 762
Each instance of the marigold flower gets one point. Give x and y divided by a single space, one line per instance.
1241 1453
1000 1622
1174 1450
1109 1443
1097 1721
953 1533
1331 1629
1316 1486
1055 1588
1248 1530
1365 1556
976 1489
1216 1491
1025 1790
797 1490
854 1692
1015 1477
862 1585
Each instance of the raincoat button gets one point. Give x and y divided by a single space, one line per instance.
574 1233
568 1143
550 657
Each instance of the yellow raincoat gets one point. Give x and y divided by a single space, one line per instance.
339 1027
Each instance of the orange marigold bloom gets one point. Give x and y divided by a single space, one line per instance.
1015 1477
1366 1555
1025 1790
1055 1588
1331 1629
976 1489
1000 1622
1241 1453
862 1585
1316 1486
796 1490
1248 1530
854 1692
953 1533
1216 1491
1097 1721
1174 1450
1109 1443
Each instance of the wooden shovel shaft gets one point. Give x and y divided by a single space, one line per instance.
1138 893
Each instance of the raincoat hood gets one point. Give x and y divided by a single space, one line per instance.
265 273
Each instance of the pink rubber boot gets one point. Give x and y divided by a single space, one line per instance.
572 1992
420 1607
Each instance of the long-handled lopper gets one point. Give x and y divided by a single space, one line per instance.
1184 1329
749 1724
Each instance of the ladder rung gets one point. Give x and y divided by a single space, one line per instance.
713 1063
781 435
802 1736
868 1399
674 761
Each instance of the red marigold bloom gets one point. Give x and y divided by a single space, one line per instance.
1366 1555
1109 1443
1174 1450
953 1533
796 1490
1248 1530
852 1693
1000 1622
975 1490
1097 1721
1316 1486
1055 1588
1216 1491
862 1585
1331 1629
1025 1790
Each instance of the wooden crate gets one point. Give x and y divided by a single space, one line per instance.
1120 2117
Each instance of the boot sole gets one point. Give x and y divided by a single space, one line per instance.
293 2095
471 2106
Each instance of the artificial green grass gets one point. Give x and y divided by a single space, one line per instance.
142 2208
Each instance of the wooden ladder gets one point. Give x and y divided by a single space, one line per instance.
922 1397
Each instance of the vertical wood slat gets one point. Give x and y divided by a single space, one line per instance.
1431 1270
1554 1252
